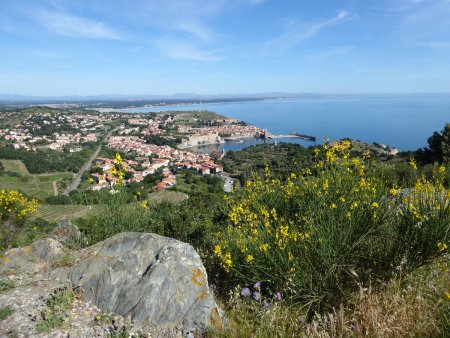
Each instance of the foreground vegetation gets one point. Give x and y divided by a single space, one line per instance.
344 244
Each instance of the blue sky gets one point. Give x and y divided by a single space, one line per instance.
91 47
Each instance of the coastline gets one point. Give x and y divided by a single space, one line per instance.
283 136
237 138
203 144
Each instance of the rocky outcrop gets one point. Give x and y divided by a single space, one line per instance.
156 284
148 278
27 261
66 231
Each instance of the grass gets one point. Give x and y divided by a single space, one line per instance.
67 260
6 285
55 314
5 312
37 186
55 213
166 196
16 166
405 307
188 183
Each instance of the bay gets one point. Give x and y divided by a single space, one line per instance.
402 121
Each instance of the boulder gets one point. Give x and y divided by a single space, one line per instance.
65 231
149 279
33 258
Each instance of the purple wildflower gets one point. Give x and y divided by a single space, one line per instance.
279 296
245 292
257 285
256 296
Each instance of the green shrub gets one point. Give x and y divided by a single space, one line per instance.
5 312
189 221
318 236
6 285
55 314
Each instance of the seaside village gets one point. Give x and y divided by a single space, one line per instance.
151 158
71 131
56 131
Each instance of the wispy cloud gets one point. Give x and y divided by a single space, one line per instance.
435 44
421 11
415 21
296 32
197 29
75 26
182 50
48 54
333 52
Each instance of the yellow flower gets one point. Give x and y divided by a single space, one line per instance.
249 258
264 247
306 171
333 206
144 204
447 294
393 191
442 246
354 205
413 163
375 205
227 263
290 256
14 204
118 159
218 250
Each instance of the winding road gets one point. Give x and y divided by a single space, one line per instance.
76 181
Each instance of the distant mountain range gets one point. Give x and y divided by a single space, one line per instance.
131 98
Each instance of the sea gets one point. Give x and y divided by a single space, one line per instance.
401 121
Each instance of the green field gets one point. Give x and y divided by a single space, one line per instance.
16 166
55 213
167 196
38 186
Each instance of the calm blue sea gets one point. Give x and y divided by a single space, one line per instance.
402 121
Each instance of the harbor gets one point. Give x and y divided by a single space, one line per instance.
290 135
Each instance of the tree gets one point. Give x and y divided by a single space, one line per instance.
446 143
435 147
438 149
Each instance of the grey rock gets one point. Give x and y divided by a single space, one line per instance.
31 259
142 283
149 279
66 231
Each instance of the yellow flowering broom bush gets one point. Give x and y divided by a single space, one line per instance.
318 235
14 208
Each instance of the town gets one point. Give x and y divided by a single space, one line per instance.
153 143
